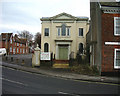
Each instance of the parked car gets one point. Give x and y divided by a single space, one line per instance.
2 51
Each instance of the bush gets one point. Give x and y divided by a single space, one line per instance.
85 69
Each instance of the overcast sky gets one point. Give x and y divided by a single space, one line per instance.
19 15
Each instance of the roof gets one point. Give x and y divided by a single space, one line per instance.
58 17
5 36
19 40
110 4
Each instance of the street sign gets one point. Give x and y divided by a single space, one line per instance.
45 56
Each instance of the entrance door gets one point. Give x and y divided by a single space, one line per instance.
63 52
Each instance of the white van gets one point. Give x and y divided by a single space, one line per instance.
2 51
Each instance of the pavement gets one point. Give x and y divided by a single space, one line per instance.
63 74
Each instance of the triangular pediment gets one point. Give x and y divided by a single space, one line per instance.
63 16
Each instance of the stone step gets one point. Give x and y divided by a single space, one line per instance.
60 65
61 61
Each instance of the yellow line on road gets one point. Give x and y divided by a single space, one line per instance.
98 82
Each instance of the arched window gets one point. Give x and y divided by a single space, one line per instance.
46 47
63 30
81 48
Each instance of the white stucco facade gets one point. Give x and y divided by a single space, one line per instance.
61 34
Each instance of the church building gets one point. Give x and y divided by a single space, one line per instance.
64 35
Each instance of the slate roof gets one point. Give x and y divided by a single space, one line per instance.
16 38
19 40
72 17
110 4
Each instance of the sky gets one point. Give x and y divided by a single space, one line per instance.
19 15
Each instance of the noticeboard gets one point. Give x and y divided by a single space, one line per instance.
45 56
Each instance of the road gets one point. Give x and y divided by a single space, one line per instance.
20 82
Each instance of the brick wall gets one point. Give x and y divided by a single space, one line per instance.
108 36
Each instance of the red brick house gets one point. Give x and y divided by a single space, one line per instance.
104 36
14 44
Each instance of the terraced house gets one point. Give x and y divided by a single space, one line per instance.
63 35
14 44
104 36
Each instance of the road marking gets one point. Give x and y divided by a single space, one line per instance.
14 81
62 92
67 93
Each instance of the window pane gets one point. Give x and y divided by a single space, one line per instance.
117 57
58 31
117 62
117 29
63 30
46 47
80 31
68 31
46 31
117 54
117 21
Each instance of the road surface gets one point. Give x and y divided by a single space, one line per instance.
20 82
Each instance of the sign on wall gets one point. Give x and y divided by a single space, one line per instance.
45 56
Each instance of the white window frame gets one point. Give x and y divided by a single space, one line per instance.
115 26
10 49
20 50
17 44
17 50
11 41
116 67
14 50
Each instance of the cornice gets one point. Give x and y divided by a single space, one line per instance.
111 10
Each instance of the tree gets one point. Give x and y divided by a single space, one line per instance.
37 38
25 34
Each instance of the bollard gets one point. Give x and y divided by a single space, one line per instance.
11 59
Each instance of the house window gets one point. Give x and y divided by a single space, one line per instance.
17 50
117 26
58 31
68 31
46 32
63 30
23 51
80 48
20 44
117 58
17 44
46 47
11 41
10 49
80 31
13 50
20 50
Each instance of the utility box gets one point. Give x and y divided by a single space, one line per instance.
36 57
